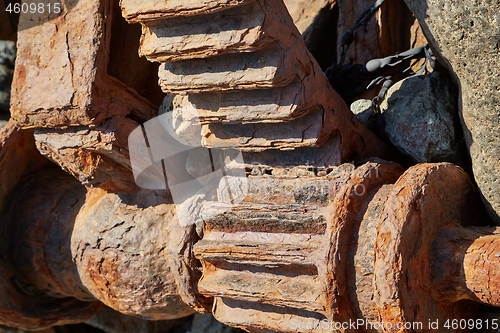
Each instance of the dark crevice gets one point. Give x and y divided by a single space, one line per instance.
126 65
322 41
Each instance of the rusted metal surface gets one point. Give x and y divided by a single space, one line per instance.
259 55
275 259
381 250
314 241
356 244
38 285
128 251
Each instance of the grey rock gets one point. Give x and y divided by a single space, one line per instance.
7 53
208 324
421 115
465 35
362 108
7 59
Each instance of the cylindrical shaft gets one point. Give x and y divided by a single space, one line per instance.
465 265
482 269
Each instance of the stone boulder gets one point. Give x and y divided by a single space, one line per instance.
421 118
465 36
362 108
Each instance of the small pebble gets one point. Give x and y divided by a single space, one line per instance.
256 172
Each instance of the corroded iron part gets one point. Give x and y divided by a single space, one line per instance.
94 96
39 287
329 241
355 244
134 11
424 202
251 50
84 88
92 104
96 156
363 246
133 255
275 259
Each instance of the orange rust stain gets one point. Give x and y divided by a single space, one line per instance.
386 238
20 75
88 161
104 274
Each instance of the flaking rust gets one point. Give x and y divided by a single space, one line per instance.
316 241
